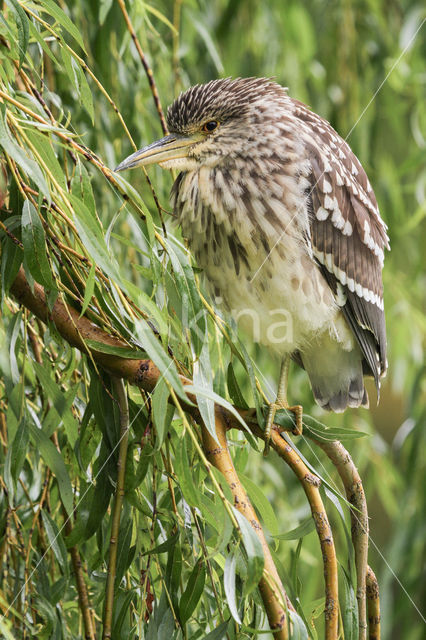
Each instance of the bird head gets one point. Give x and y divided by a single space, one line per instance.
211 123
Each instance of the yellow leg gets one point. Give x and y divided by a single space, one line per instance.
282 403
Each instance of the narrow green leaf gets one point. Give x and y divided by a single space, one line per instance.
86 94
193 592
52 9
160 16
11 259
229 583
164 546
253 547
43 143
54 461
348 605
23 29
157 354
27 164
55 540
203 378
93 239
261 503
302 530
34 240
62 403
156 315
234 389
104 7
35 33
125 550
183 472
89 289
99 501
19 449
209 393
122 352
219 633
162 412
298 627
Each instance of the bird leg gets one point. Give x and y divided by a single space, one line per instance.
281 402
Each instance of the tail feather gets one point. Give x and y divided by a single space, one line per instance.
336 375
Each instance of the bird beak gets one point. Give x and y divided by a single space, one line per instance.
168 148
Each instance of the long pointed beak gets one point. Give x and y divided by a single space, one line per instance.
167 148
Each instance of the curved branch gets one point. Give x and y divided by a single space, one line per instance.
143 373
121 395
311 484
270 583
355 495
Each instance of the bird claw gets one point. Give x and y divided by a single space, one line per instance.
273 408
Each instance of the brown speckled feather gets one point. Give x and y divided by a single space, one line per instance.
348 236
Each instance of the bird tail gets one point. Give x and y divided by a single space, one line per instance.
336 375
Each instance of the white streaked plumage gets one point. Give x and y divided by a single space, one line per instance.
280 215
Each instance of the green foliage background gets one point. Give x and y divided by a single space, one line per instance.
356 64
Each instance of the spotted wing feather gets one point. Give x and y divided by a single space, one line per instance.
348 236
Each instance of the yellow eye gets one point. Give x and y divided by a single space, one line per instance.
210 126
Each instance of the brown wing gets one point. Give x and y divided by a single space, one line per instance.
348 236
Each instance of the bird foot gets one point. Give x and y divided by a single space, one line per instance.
273 408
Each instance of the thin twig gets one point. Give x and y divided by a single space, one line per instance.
121 395
145 65
83 596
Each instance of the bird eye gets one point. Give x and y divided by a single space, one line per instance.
210 126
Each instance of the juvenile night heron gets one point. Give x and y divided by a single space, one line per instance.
280 215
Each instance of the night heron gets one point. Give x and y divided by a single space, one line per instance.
281 217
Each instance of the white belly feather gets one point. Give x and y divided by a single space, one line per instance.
274 290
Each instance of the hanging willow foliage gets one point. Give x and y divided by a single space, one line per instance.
135 502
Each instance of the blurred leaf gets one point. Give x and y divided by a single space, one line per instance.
183 470
253 547
229 583
23 29
122 352
219 633
261 503
162 412
34 241
55 541
88 291
193 591
18 450
157 354
52 9
302 530
56 464
28 165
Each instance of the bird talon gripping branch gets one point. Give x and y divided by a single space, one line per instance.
281 217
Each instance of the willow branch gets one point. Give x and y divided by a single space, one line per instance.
83 596
373 602
121 395
270 586
355 495
145 65
77 330
311 484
